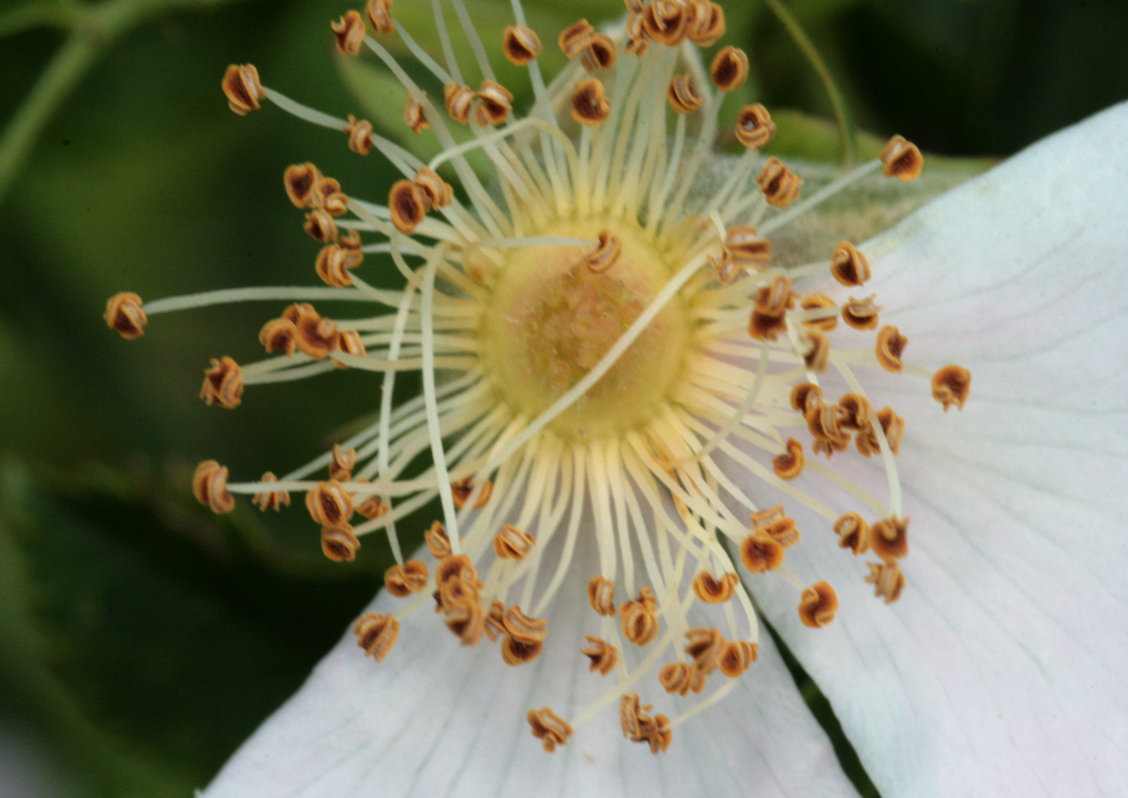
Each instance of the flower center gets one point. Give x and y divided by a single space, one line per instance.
554 313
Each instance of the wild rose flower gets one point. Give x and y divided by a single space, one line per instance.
625 393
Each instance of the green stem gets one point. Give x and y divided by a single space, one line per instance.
65 70
92 30
36 16
847 145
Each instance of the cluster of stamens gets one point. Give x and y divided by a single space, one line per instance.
554 426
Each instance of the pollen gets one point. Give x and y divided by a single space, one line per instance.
587 334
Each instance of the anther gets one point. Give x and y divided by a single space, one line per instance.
887 579
518 652
359 132
413 115
747 247
606 252
372 506
890 345
760 552
637 40
726 267
349 32
777 525
437 541
729 69
683 95
599 54
209 486
639 620
575 38
523 627
463 489
601 592
376 634
704 645
333 264
951 386
549 728
853 412
458 100
590 105
342 464
816 352
806 397
465 620
495 621
712 590
511 543
779 184
817 605
602 654
242 88
861 314
314 335
329 504
320 226
279 335
789 465
439 192
223 383
379 16
327 194
299 180
124 314
818 302
268 499
494 103
737 656
849 266
408 205
679 678
893 426
754 126
889 538
707 23
902 159
403 580
339 543
853 533
521 44
639 726
349 342
666 21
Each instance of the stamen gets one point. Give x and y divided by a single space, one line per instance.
951 386
124 314
209 486
349 31
818 605
339 543
376 634
549 728
223 384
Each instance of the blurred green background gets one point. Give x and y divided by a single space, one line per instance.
141 638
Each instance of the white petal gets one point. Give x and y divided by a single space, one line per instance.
436 719
1000 671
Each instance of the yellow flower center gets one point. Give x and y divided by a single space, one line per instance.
553 317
